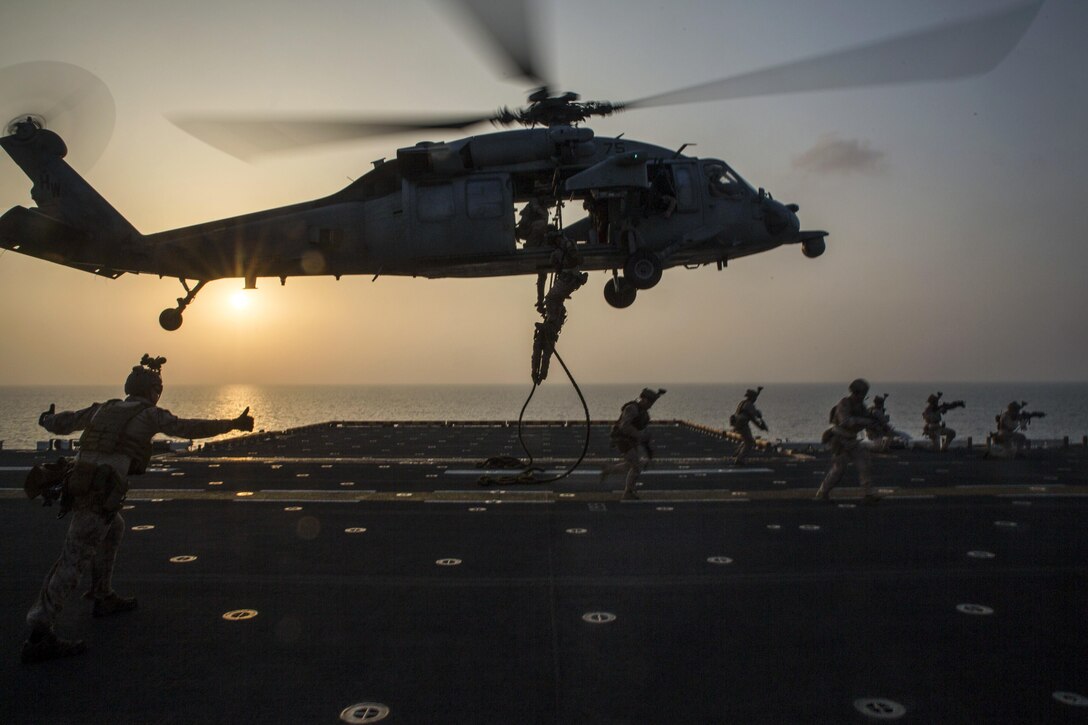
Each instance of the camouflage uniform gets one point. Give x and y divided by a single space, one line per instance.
938 433
553 307
848 418
1009 425
533 228
746 414
630 435
881 435
1008 431
116 443
533 223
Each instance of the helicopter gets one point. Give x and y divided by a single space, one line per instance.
447 208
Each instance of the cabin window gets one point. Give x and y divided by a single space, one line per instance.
434 202
484 198
685 189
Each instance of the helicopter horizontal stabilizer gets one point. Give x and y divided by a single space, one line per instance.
30 232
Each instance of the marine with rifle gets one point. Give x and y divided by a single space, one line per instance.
848 418
746 415
883 435
630 435
934 429
1010 423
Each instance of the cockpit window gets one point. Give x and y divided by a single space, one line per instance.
724 181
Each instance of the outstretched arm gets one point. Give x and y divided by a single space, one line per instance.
171 425
67 421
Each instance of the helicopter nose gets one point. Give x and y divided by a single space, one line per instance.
781 219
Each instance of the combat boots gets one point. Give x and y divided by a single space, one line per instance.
44 644
113 604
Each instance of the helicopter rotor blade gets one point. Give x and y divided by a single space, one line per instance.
953 50
64 98
247 137
508 25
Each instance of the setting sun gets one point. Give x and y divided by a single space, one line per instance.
239 300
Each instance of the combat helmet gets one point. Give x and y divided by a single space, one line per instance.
859 386
651 396
145 380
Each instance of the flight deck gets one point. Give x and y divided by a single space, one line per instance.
365 572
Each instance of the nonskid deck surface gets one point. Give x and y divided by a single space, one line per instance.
386 574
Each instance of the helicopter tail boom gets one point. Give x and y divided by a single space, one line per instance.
71 224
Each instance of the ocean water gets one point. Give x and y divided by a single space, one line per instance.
794 411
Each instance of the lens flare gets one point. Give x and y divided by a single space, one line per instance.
239 300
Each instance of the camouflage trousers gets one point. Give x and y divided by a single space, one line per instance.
939 436
634 462
747 444
845 453
1011 443
92 541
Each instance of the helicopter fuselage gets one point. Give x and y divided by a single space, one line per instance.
437 210
448 210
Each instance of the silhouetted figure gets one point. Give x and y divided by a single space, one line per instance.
746 415
1010 423
116 444
940 435
631 437
847 419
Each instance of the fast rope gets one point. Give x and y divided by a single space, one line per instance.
527 475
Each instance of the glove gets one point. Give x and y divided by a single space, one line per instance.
52 410
244 421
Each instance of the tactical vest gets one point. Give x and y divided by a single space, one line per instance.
620 439
857 410
640 422
643 418
106 434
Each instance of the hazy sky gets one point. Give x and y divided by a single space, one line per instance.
958 236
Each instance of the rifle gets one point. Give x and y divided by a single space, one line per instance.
945 407
1025 417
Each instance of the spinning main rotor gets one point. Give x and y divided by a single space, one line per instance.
952 50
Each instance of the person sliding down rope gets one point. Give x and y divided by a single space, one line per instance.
567 279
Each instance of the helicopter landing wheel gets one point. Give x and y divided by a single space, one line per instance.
619 292
813 248
642 269
170 319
